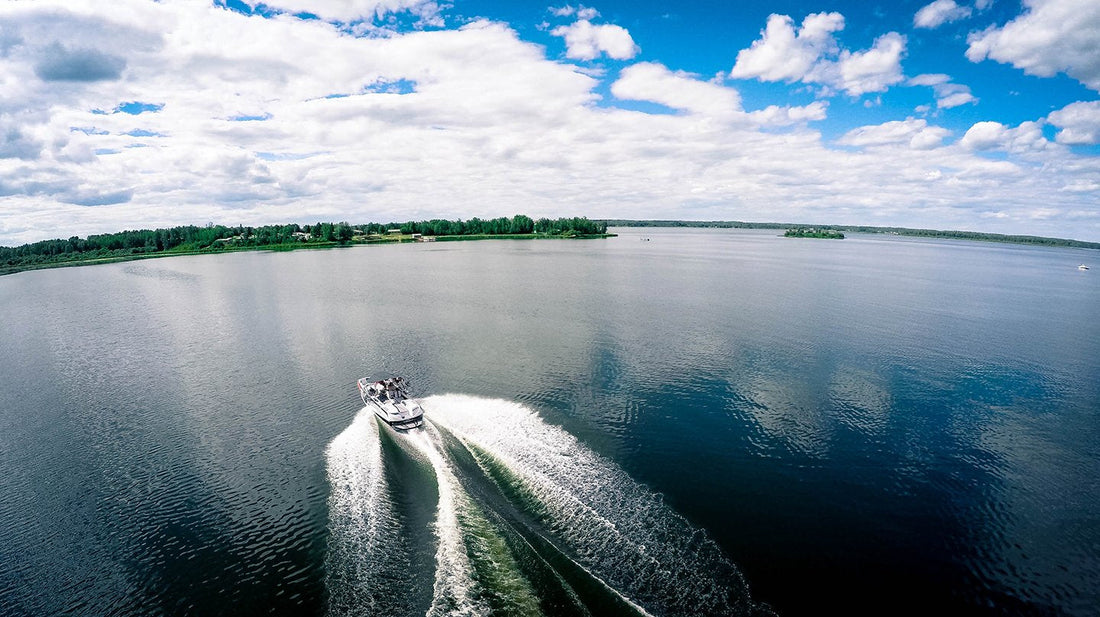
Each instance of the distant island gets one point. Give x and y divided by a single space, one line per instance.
896 231
192 240
813 232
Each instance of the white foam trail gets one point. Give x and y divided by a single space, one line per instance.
620 530
453 591
364 544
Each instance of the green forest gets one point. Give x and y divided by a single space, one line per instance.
188 239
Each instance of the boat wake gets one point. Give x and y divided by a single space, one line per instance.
520 519
366 546
454 585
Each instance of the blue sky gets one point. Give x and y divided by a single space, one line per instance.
952 114
705 37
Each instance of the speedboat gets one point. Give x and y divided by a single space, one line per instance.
391 402
1082 267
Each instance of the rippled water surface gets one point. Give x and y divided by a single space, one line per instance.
669 422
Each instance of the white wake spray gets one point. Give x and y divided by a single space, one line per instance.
365 543
618 529
454 588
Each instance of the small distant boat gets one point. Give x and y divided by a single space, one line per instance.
1082 267
391 402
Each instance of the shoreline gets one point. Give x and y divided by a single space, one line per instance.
397 239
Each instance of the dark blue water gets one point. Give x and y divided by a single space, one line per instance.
867 426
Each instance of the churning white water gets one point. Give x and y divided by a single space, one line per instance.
617 530
365 547
454 584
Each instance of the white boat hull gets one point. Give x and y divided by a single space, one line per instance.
404 415
390 403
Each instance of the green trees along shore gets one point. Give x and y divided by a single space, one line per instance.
191 239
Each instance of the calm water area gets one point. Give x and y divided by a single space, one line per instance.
680 421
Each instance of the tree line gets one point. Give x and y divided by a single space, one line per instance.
192 238
518 224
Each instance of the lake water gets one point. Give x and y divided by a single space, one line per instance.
671 421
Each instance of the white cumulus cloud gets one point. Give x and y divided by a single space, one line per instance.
649 81
913 133
1051 36
948 94
1025 138
586 41
812 55
656 83
581 11
774 115
955 100
939 13
873 70
782 54
1080 123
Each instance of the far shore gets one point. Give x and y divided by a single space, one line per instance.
977 236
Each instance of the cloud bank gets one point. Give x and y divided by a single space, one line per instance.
139 114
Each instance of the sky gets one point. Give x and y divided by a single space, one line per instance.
979 115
